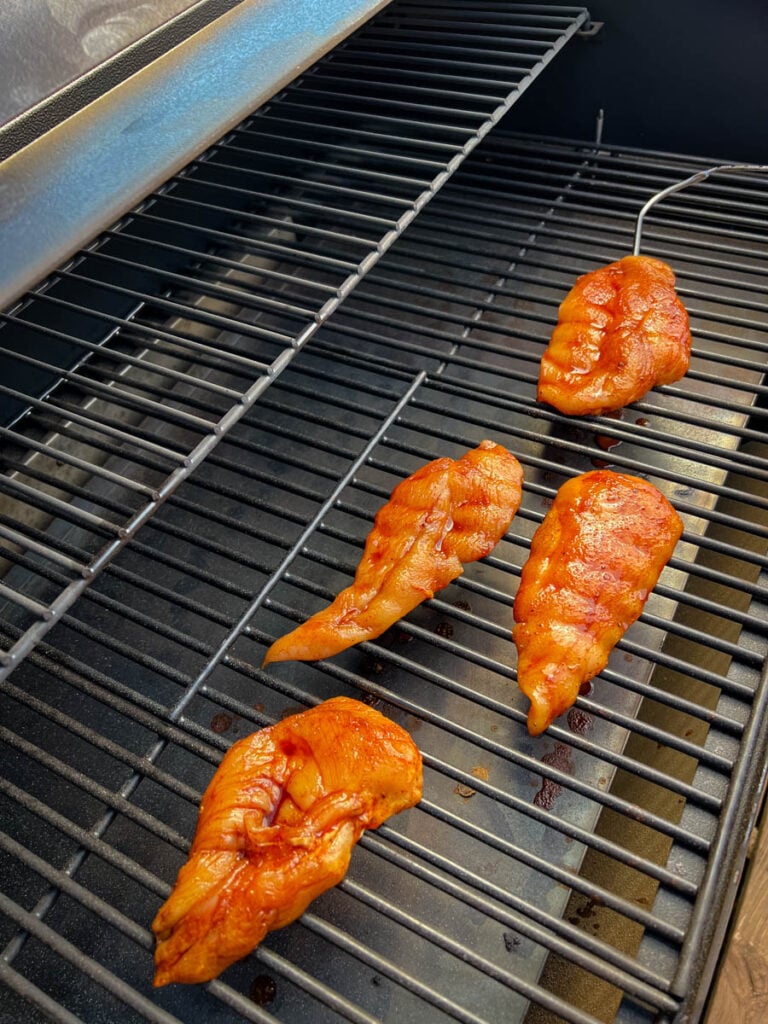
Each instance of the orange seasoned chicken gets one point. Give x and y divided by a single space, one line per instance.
621 331
594 560
447 513
276 828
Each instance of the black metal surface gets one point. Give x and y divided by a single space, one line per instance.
178 320
578 877
683 55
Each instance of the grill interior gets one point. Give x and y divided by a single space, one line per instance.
186 302
186 477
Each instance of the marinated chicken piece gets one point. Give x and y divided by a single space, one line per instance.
447 513
277 825
594 560
621 331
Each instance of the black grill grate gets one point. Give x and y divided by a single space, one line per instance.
577 877
146 329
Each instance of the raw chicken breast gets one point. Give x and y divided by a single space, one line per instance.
593 562
447 513
277 825
621 331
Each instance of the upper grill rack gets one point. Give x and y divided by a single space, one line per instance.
557 872
120 353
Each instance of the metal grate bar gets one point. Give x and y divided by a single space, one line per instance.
181 309
635 464
713 760
34 995
612 900
134 330
492 304
275 118
752 465
125 359
577 227
409 127
702 926
546 249
462 84
637 430
626 682
393 104
141 709
112 800
212 260
686 599
348 151
24 602
148 822
116 986
256 246
573 228
190 642
240 1004
414 90
548 492
278 222
448 49
28 544
56 506
476 68
625 195
350 193
84 838
211 290
324 993
62 881
712 202
138 763
120 396
73 460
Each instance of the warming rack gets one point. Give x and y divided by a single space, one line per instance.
126 332
576 877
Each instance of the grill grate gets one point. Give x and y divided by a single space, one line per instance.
144 329
576 877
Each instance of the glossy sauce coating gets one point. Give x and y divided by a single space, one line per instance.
447 513
594 560
276 827
621 331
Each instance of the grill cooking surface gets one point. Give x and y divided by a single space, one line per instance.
141 299
577 877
